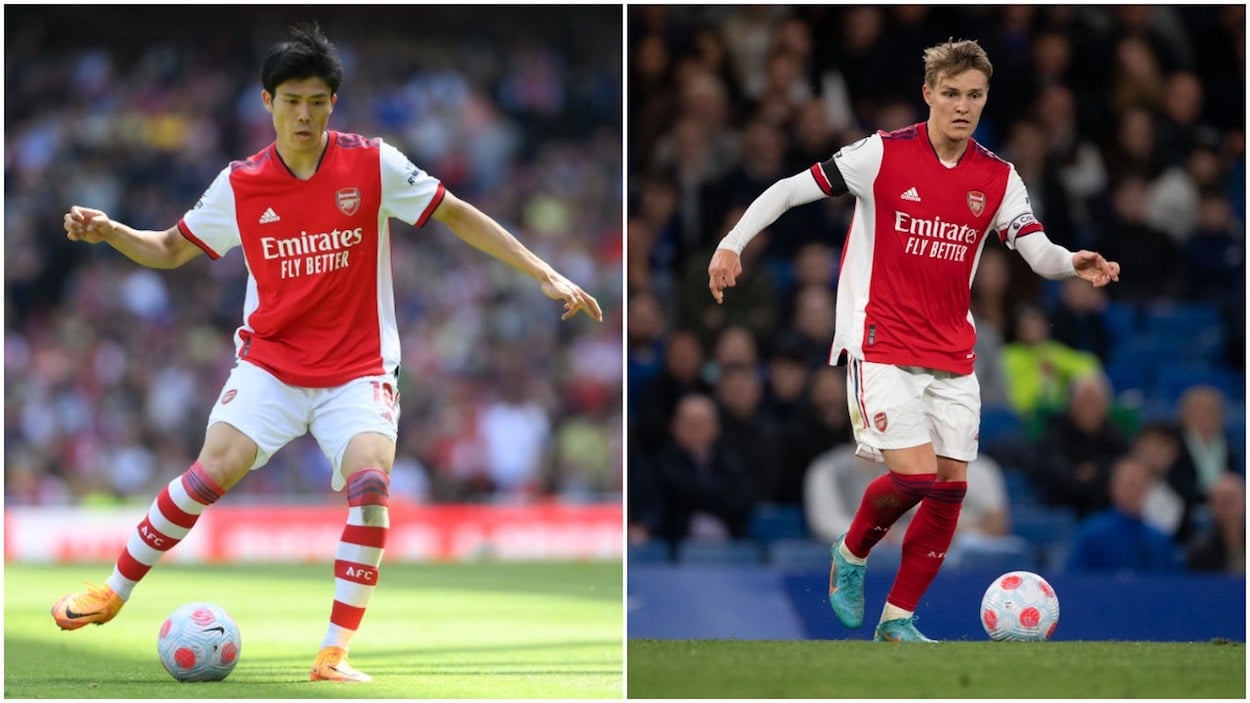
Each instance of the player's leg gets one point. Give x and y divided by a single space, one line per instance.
887 416
254 416
356 426
226 456
953 405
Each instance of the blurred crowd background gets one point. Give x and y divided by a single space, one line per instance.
1114 428
111 369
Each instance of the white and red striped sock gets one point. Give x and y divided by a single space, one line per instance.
168 521
359 553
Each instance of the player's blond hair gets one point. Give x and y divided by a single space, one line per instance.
950 58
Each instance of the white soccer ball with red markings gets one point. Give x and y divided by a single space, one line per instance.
1020 606
199 642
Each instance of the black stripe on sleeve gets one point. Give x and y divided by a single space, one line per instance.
837 184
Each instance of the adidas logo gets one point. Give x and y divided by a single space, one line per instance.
271 216
911 195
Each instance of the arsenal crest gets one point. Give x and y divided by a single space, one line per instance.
880 421
348 200
976 202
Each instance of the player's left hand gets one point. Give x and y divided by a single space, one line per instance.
575 299
1092 267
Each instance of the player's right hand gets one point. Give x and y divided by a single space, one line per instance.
723 272
84 224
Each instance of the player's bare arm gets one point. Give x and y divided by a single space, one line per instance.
166 249
482 232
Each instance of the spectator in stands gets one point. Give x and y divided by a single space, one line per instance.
1118 539
1157 447
683 366
756 310
989 291
644 332
812 323
1073 459
1205 454
746 432
824 424
706 491
1078 320
1075 156
1222 545
1126 234
1040 369
734 347
1214 253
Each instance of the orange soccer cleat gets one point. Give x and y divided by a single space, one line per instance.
98 605
331 665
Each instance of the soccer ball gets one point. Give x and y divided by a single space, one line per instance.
199 642
1020 606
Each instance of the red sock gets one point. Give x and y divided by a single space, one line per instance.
885 500
359 553
925 544
170 518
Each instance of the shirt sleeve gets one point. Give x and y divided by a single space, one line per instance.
1015 216
858 163
408 193
212 224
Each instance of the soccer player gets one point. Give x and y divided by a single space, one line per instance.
926 197
318 350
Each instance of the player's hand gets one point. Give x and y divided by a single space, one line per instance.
723 272
575 299
84 224
1092 267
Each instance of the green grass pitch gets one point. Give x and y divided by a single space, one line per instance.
686 669
480 630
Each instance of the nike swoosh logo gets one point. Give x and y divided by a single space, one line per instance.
74 616
218 628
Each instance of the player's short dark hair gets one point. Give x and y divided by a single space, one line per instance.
305 54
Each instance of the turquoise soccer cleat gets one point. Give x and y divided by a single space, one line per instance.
846 588
900 630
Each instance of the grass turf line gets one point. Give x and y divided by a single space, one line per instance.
858 669
488 630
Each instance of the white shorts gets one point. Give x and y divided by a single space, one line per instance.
272 413
896 407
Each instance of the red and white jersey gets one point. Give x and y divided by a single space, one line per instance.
320 304
904 290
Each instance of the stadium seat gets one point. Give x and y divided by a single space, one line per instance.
739 553
1048 530
799 555
999 423
773 522
1132 363
1194 330
1123 320
1172 380
651 552
999 556
1020 490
